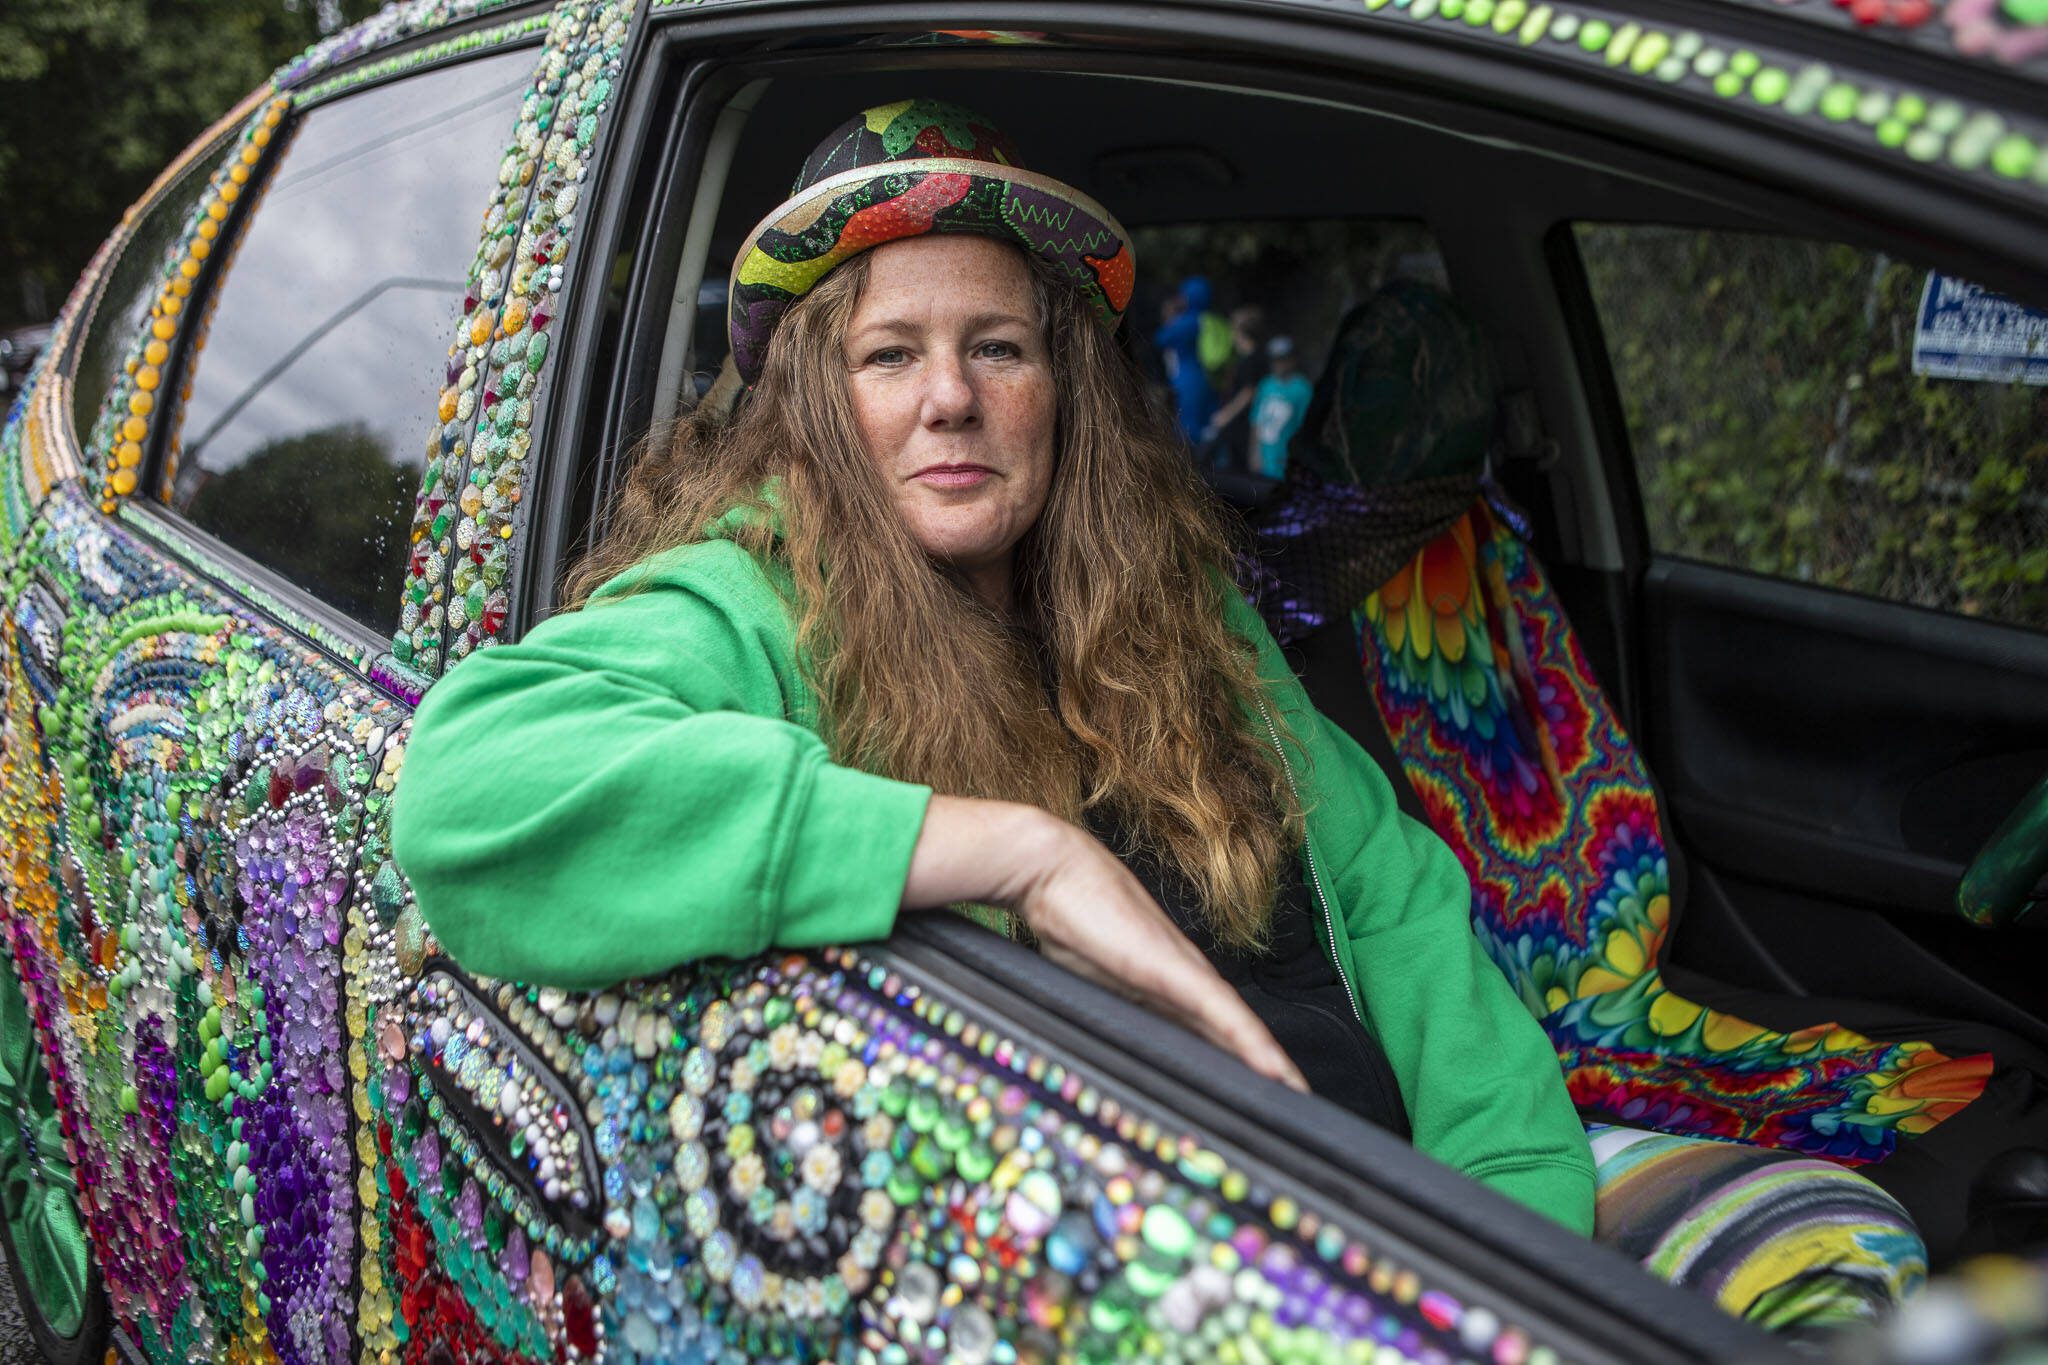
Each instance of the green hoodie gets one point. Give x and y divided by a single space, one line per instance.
641 783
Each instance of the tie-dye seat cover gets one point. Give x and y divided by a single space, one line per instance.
1525 771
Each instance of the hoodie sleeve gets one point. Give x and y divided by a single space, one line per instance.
1480 1079
619 792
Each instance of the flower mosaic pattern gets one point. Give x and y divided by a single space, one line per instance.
1526 773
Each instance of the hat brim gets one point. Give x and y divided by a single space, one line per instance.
824 225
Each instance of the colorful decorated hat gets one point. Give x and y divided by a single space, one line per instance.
902 170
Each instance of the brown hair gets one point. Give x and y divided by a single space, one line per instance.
1118 605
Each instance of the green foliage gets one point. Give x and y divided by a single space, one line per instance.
1778 426
97 96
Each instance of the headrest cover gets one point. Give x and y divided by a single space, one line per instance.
1408 393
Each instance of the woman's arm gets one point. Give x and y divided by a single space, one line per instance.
1088 913
616 793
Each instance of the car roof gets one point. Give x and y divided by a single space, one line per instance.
2009 37
1955 87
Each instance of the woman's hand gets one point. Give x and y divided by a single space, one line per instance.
1089 913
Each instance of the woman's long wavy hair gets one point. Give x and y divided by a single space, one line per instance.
1116 684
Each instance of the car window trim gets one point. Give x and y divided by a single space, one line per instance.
443 46
1429 1207
119 243
1674 143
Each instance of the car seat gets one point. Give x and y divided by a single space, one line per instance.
1406 585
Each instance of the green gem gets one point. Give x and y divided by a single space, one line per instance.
975 1163
2014 156
1166 1231
929 1159
953 1132
1593 37
904 1187
1770 85
1838 102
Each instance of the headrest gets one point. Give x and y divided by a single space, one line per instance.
1408 393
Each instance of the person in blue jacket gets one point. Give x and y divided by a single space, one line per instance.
1179 342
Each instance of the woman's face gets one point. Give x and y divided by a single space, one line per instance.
951 383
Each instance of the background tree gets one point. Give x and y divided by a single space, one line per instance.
97 96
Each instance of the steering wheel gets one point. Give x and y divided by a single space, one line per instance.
2006 876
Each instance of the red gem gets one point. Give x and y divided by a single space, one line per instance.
490 397
280 788
577 1318
538 320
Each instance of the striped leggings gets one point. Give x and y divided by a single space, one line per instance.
1788 1242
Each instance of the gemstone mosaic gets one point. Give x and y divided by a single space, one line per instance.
456 594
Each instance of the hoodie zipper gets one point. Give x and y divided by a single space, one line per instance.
1308 848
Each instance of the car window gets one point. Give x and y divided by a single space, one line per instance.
133 285
1831 415
1276 292
303 439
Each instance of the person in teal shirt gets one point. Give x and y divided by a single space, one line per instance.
1278 406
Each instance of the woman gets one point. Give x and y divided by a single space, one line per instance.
939 617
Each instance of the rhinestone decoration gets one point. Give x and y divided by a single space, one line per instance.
301 1134
456 593
2007 147
131 405
390 25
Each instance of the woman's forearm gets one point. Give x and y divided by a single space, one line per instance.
976 850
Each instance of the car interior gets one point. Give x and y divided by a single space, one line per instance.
1826 763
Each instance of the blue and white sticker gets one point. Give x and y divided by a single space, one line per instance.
1968 332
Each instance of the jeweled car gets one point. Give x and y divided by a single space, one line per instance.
339 400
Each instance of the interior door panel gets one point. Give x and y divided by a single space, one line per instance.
1840 754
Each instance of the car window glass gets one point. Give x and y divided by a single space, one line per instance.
132 286
304 435
1831 415
1276 292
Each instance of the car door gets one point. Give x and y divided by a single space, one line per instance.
1837 470
204 715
